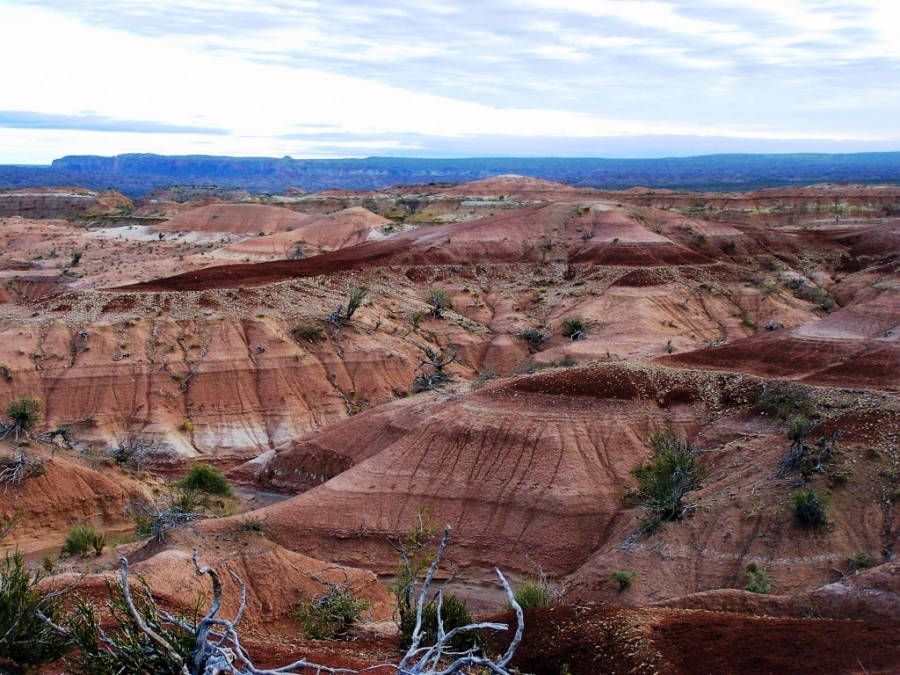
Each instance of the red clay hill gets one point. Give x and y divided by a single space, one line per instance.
578 324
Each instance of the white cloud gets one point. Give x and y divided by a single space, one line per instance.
563 68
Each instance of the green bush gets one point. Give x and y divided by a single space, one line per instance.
783 401
623 578
24 412
355 299
534 594
573 328
81 539
758 579
439 300
416 318
143 525
666 478
454 613
799 428
809 458
810 508
25 640
207 479
306 331
250 525
534 337
329 617
861 561
120 646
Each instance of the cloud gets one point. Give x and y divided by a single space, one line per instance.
456 68
20 119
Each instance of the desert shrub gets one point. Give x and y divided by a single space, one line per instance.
784 401
76 258
207 479
758 579
454 613
534 337
24 412
428 381
329 617
356 296
306 331
132 452
143 525
182 499
81 539
439 300
799 428
861 561
623 579
25 640
810 508
416 556
250 525
416 318
534 594
573 328
123 647
177 507
486 375
809 458
529 367
666 478
814 295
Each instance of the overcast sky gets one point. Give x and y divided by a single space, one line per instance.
444 78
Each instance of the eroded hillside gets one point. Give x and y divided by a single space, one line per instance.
574 326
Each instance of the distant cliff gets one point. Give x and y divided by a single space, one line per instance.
135 174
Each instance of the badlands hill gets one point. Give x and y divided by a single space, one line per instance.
690 311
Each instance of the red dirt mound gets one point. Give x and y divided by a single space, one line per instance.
535 468
853 347
276 580
872 595
517 473
63 494
234 218
565 233
599 639
321 233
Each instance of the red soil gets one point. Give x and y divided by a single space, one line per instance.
599 639
601 234
234 218
320 233
854 347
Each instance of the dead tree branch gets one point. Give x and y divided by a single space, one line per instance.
218 651
50 437
133 451
14 471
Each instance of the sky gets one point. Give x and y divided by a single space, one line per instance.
447 78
